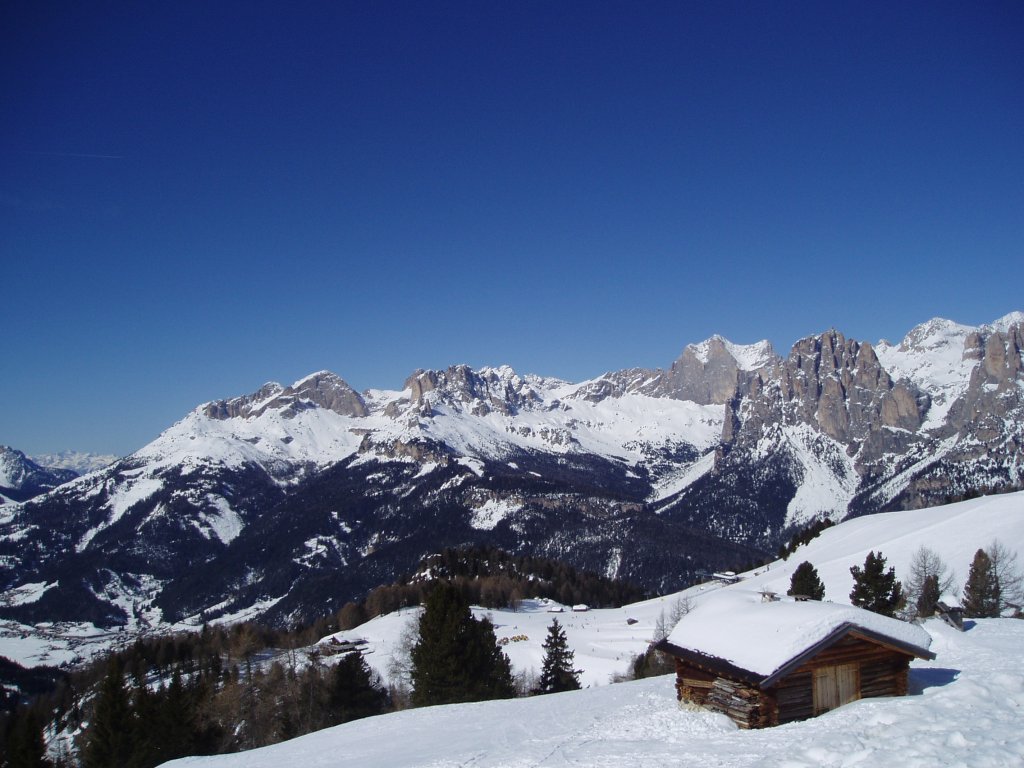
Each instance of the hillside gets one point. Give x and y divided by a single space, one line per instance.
605 640
979 672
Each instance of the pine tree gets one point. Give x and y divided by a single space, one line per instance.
981 592
557 673
111 736
805 582
874 588
352 694
25 747
928 600
456 658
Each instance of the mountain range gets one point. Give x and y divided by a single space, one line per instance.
22 478
287 502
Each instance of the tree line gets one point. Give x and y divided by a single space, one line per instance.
492 578
994 585
225 689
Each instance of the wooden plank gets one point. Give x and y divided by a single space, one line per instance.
834 686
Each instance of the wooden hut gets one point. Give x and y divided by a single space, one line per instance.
765 663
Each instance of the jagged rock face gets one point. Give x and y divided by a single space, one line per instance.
985 424
836 386
245 406
480 392
711 373
22 479
323 390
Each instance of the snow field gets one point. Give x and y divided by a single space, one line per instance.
967 712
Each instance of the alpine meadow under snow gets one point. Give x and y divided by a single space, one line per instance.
965 709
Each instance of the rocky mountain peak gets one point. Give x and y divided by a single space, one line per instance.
835 385
717 371
322 389
243 406
935 334
327 390
480 392
22 479
13 466
1006 322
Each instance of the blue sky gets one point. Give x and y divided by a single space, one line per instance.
196 198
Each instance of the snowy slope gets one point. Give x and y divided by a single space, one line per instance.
604 642
967 713
980 672
554 419
954 531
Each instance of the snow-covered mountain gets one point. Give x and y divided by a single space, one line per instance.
80 462
21 478
287 502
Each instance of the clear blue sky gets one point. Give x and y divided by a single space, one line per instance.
196 198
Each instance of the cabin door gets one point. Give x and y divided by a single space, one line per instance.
834 686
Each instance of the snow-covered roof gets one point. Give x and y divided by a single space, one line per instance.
740 630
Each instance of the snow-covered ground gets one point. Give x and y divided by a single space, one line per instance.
605 640
968 712
967 706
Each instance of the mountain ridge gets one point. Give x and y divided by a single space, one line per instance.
292 496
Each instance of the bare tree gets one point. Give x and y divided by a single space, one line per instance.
399 667
1008 575
926 562
682 606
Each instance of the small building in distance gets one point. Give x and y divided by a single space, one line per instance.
764 663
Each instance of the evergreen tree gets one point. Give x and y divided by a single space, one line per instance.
110 740
352 694
25 747
176 722
928 600
981 592
456 658
805 582
557 673
874 588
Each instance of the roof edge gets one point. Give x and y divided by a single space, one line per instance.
727 668
712 663
847 628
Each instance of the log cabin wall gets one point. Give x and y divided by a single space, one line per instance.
881 671
692 683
